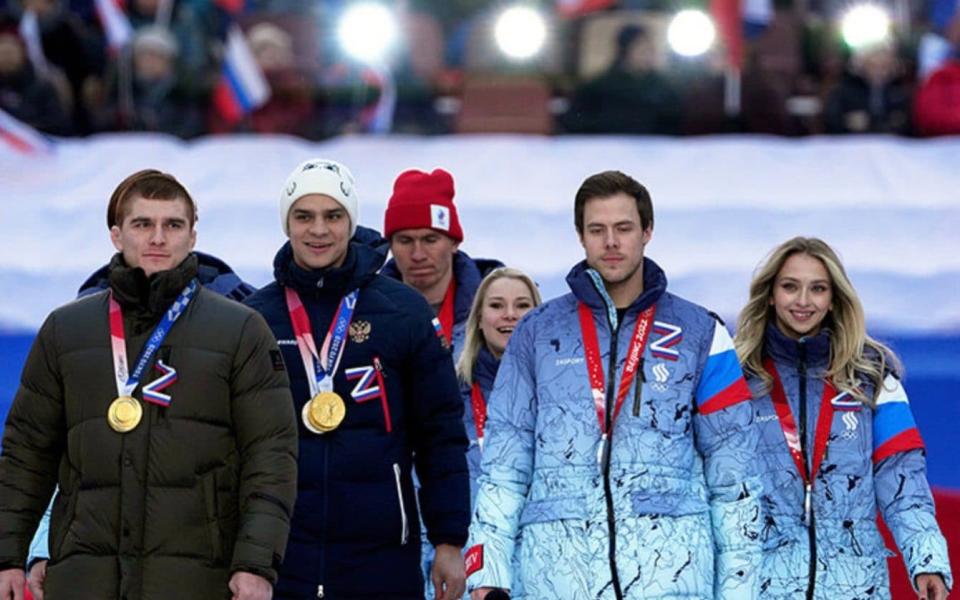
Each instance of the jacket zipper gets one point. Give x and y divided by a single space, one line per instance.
384 401
608 494
403 510
808 490
321 560
638 393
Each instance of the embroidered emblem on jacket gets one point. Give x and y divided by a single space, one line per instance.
661 374
360 331
670 336
850 421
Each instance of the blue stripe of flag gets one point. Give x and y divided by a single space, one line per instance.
236 86
889 420
720 372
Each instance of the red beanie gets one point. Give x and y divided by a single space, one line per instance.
423 201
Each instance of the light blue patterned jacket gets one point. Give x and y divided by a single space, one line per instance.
673 513
874 461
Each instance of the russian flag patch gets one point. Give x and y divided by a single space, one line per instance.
721 383
894 429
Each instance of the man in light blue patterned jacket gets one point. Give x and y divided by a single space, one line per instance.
621 454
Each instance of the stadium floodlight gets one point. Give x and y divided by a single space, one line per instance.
691 33
520 32
368 31
865 25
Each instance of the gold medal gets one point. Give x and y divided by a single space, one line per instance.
124 414
324 412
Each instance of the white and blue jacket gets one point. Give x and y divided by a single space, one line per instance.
874 462
674 511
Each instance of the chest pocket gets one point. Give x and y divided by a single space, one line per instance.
848 449
663 396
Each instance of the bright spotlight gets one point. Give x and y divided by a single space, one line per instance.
367 31
865 25
520 32
691 33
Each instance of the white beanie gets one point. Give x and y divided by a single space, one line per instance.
320 176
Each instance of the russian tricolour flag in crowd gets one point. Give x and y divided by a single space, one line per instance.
242 87
722 383
894 429
116 25
737 20
21 137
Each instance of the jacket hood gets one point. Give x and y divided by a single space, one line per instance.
468 272
213 273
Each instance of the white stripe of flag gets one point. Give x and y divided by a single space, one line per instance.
242 71
115 24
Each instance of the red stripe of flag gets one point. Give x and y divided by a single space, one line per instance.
738 391
903 441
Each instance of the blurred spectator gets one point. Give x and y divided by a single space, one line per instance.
937 105
150 96
290 107
632 96
872 96
198 26
23 93
938 100
73 47
702 83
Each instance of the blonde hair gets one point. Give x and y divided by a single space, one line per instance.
474 338
854 355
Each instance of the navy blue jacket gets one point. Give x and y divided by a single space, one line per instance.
356 528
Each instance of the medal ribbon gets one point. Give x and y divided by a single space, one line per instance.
321 366
128 382
479 411
638 341
789 427
446 311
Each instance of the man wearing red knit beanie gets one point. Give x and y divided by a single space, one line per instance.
423 227
424 230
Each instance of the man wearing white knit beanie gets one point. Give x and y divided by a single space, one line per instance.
376 395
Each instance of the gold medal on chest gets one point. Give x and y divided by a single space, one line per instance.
324 412
124 414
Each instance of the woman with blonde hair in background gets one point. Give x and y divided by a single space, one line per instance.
504 296
838 440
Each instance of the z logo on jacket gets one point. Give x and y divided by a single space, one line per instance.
366 388
670 336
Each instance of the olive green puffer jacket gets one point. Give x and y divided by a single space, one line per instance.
196 491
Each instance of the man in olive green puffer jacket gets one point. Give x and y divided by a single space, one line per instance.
175 454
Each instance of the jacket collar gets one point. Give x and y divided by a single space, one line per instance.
814 350
587 286
147 298
467 273
358 269
213 274
485 369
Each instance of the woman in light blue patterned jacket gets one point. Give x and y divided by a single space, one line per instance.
838 439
